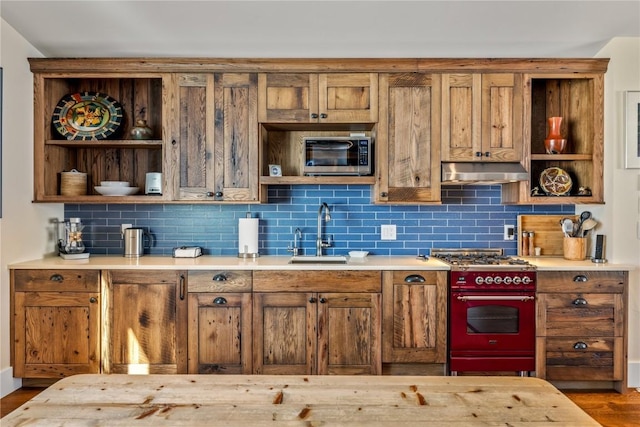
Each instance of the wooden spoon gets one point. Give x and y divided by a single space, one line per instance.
588 225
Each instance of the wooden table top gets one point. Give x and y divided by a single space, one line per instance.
283 400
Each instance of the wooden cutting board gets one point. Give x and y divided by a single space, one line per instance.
548 232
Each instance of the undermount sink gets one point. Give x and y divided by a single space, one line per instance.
325 259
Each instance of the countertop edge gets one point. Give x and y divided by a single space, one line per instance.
212 262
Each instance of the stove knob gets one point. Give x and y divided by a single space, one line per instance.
507 280
516 280
526 280
479 280
488 280
497 280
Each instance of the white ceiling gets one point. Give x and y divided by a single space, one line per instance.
454 28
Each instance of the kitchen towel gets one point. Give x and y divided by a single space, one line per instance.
248 237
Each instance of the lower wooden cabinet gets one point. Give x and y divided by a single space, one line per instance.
147 318
581 326
219 329
56 323
316 333
415 317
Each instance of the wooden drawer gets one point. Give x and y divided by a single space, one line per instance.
143 277
582 359
57 280
317 281
415 277
581 281
219 281
574 314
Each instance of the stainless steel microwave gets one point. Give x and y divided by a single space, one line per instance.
341 155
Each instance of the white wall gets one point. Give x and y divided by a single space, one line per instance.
23 227
620 215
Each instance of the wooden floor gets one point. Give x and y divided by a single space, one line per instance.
608 408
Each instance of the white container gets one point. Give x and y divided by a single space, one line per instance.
153 183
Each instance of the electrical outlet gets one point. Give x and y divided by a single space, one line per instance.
124 227
388 232
509 232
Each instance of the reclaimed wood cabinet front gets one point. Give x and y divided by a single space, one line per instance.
414 328
408 139
581 326
56 323
146 329
482 117
215 138
220 313
318 98
323 332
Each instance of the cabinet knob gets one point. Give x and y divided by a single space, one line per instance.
384 194
312 300
220 277
414 278
478 154
580 278
219 194
209 193
323 300
579 301
580 345
174 142
314 115
487 154
323 116
220 300
93 300
56 278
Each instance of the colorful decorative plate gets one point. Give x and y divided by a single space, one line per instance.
87 116
555 181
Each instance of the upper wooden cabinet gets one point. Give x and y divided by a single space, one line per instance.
118 158
408 142
579 99
214 142
482 117
318 98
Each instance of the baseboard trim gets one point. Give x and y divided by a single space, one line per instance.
633 374
8 384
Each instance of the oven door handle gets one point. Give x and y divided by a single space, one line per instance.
495 298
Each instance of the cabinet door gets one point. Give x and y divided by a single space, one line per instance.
318 98
408 142
482 117
219 333
147 322
284 333
57 334
216 146
349 333
414 317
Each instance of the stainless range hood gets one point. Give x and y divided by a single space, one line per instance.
486 173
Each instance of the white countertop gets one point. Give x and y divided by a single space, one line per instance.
210 262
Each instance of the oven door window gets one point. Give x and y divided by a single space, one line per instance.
493 319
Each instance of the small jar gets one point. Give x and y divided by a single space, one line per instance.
525 243
141 130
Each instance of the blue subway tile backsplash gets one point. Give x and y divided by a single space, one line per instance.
469 217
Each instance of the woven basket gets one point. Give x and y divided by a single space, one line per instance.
73 183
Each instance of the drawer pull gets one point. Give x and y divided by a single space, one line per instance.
220 300
414 278
580 345
93 300
56 278
579 301
182 287
220 277
580 278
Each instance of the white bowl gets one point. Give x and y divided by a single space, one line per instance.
358 254
116 190
114 183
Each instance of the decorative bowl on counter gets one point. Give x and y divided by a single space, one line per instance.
116 190
358 254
